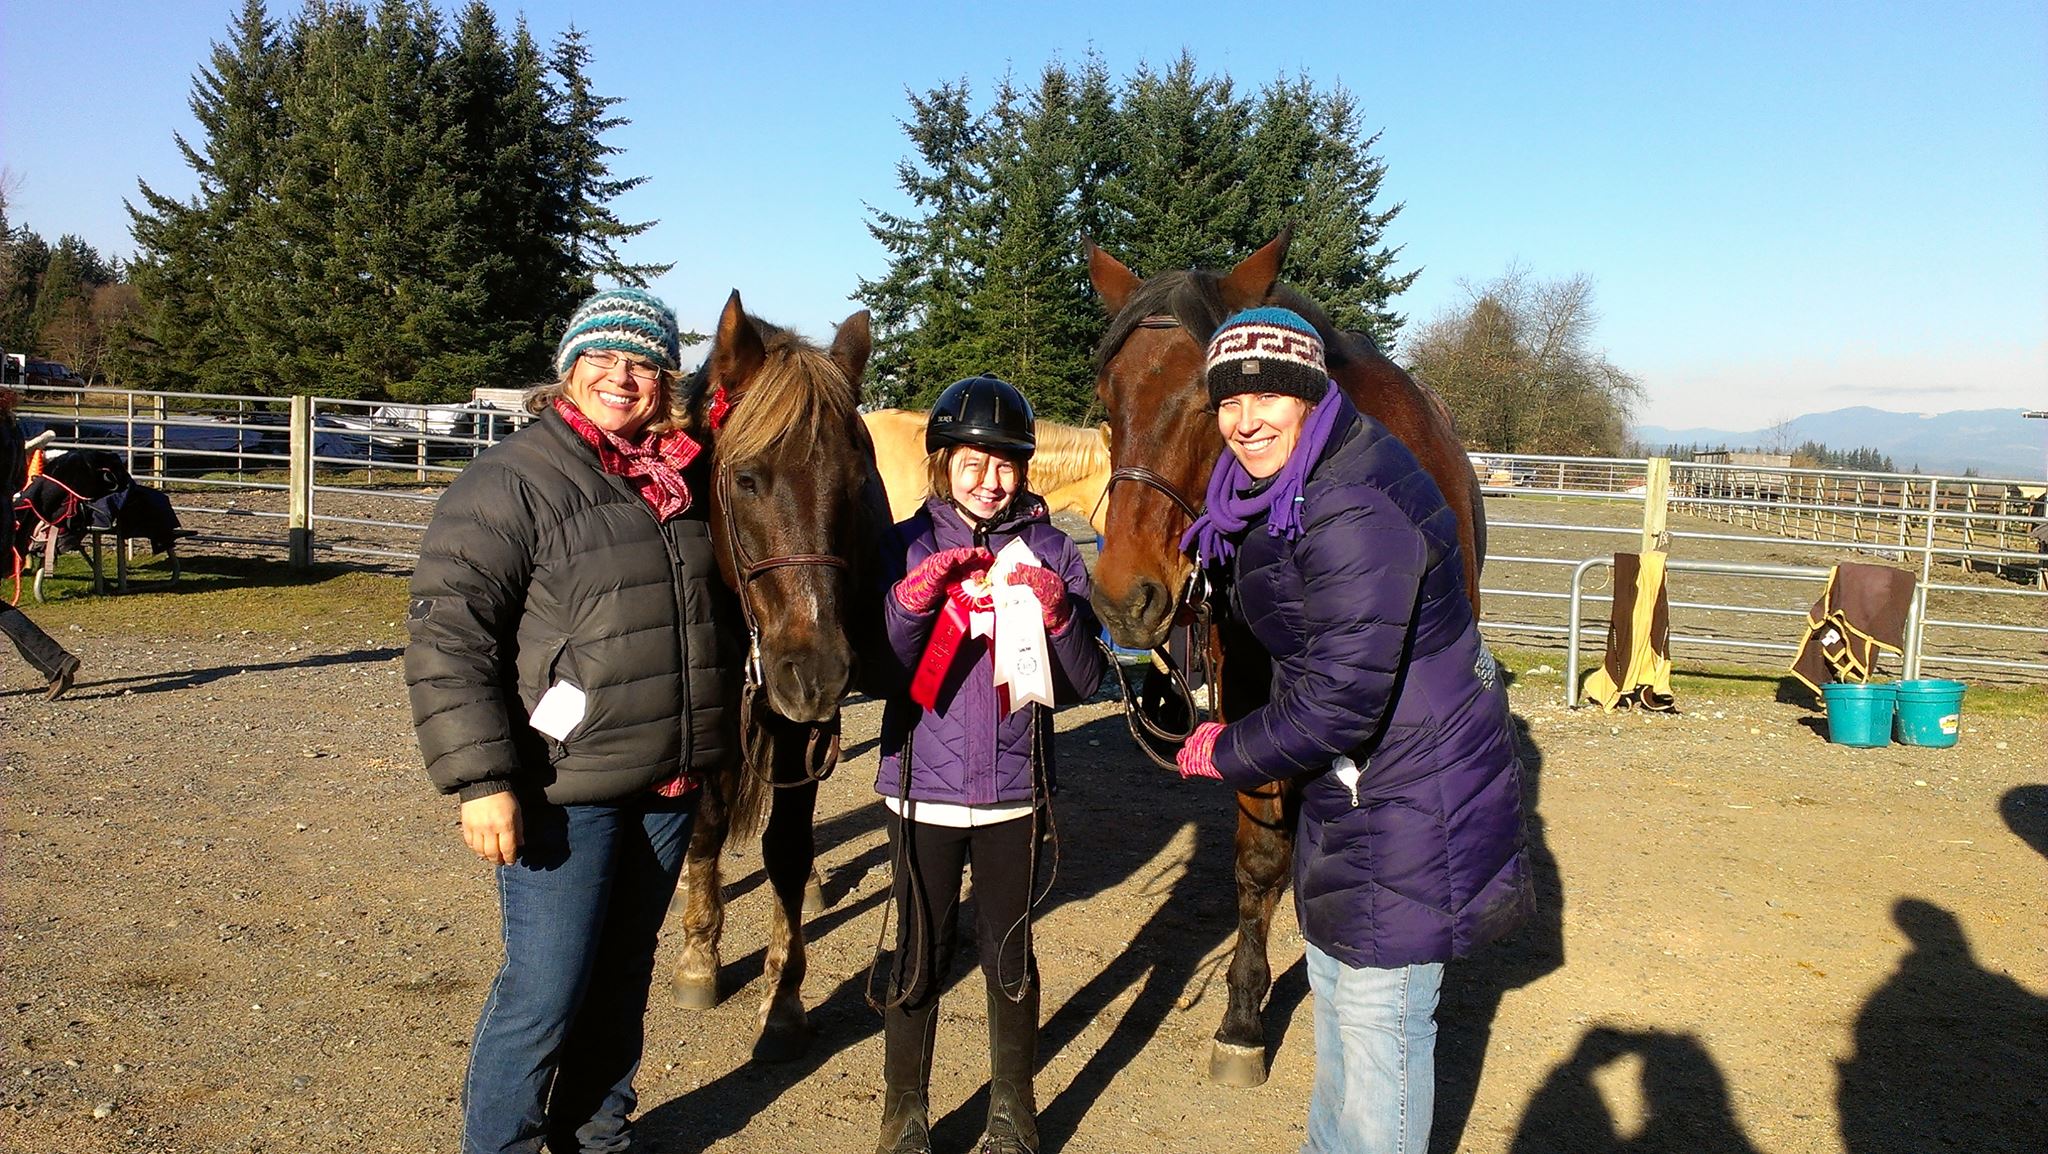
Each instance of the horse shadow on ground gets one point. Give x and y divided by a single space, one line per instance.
1114 816
1950 1055
1474 987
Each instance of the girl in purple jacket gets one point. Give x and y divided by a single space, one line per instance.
964 777
1343 560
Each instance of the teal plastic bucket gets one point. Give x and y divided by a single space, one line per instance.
1859 713
1930 712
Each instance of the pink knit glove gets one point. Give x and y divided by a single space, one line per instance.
1197 757
924 587
1050 591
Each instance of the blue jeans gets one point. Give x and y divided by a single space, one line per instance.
561 1032
1375 1087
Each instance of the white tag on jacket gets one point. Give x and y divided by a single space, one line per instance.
558 711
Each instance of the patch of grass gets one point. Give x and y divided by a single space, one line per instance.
227 595
1695 683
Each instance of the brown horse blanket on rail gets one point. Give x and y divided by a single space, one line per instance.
1861 614
1636 673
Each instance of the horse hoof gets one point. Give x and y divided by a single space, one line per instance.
1239 1066
695 995
814 899
783 1045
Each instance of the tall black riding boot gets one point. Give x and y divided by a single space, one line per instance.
906 1079
1012 1059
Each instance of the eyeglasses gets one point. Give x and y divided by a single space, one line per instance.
605 360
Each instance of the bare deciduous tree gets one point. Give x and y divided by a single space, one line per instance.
1516 365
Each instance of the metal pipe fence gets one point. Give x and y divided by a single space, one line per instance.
363 488
1978 607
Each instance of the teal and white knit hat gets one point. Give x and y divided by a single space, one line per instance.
629 320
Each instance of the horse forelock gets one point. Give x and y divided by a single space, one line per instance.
798 396
1193 297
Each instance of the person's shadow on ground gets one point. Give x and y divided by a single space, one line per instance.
1473 987
1950 1056
1685 1106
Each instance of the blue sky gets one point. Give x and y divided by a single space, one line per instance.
1785 208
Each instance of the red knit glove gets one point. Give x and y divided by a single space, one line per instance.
924 587
1197 757
1050 591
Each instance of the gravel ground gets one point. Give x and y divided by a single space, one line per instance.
238 919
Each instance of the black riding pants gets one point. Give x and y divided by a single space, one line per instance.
37 647
927 897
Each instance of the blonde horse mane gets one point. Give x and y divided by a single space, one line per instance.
1069 469
795 397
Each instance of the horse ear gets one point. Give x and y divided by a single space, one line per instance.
1110 278
1253 278
737 353
850 348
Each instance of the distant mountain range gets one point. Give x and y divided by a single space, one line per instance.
1995 442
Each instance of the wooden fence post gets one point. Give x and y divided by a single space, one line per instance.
1656 503
301 482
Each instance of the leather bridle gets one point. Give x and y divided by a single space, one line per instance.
1191 612
821 744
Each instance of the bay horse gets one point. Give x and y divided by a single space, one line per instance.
795 515
1070 467
1164 440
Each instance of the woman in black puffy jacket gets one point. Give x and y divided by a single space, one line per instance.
570 676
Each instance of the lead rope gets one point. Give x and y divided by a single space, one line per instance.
901 864
1041 802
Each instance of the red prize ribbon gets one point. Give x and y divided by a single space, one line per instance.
947 634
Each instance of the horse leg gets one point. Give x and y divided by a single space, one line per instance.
787 852
1264 850
695 985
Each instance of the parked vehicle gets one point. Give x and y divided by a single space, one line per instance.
50 375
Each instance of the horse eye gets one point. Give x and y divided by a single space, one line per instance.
748 482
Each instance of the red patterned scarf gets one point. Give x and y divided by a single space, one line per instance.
655 465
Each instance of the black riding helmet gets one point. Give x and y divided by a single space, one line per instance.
986 413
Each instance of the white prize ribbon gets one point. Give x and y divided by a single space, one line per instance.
1017 639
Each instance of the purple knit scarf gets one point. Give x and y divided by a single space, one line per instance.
1231 508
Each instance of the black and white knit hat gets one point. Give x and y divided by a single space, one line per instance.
1266 350
629 320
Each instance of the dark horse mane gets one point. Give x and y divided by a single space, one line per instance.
1194 297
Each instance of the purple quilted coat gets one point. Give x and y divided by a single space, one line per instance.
1376 656
962 753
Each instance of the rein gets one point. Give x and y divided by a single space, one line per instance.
821 742
1191 613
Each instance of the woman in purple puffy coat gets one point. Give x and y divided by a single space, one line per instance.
966 778
1342 558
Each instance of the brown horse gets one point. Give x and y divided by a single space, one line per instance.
1164 440
795 512
1070 467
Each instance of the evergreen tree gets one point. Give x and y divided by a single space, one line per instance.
1168 170
192 256
386 208
919 306
578 162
